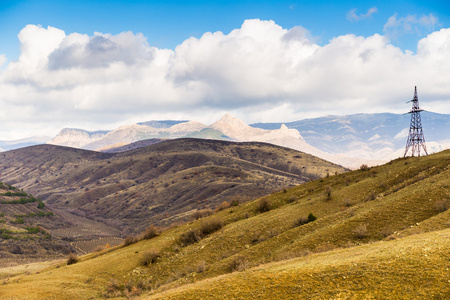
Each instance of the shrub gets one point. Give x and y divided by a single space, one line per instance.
150 257
198 214
189 237
328 191
211 225
292 199
72 259
311 217
151 232
347 202
263 205
223 205
441 205
370 197
201 266
19 220
238 263
360 231
364 167
41 205
302 220
130 240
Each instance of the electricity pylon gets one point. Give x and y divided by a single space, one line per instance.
416 140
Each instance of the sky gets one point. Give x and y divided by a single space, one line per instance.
97 65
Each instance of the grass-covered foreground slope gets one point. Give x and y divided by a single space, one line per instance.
380 233
414 267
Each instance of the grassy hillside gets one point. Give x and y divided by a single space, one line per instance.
25 229
159 184
380 232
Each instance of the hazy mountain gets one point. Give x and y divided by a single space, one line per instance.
77 138
15 144
347 140
369 136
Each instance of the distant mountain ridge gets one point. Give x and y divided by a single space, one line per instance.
15 144
369 136
349 140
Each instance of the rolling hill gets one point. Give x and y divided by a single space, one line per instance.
159 184
380 232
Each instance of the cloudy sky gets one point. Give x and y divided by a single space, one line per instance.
101 64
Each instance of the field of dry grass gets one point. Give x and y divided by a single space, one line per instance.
380 232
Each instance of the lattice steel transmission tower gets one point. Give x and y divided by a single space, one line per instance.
416 140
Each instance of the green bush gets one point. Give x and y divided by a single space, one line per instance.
311 217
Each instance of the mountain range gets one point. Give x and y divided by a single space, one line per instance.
349 140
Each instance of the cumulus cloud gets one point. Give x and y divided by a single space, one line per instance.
258 72
352 16
411 24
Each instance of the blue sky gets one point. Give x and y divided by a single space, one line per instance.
101 64
168 23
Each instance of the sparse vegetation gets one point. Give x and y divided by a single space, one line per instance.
263 205
210 225
328 191
130 240
360 231
364 167
72 259
238 263
150 257
305 220
442 205
151 232
189 237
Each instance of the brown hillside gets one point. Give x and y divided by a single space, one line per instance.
160 184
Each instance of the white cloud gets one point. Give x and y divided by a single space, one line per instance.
353 17
259 72
2 59
410 24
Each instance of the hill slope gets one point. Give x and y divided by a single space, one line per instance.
380 232
161 183
25 229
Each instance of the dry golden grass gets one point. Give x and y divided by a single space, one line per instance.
415 267
393 259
